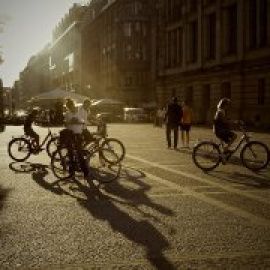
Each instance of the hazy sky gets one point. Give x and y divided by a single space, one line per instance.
28 28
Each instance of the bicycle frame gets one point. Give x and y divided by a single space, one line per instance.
49 135
244 139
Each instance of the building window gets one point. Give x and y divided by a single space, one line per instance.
263 23
192 5
189 95
206 96
127 29
193 42
226 90
177 10
174 48
179 33
210 36
230 29
209 2
173 92
261 91
252 23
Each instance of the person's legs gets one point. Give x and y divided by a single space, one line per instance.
182 136
187 138
82 161
168 135
231 138
34 135
87 136
187 134
175 137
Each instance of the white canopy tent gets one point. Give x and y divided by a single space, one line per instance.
56 95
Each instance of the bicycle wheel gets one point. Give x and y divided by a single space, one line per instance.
60 164
116 146
104 171
255 156
52 146
206 156
19 149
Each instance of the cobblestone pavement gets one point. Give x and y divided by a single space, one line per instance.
162 213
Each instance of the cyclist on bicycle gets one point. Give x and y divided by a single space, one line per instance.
28 130
73 139
222 125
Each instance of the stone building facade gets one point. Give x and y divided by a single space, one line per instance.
117 47
35 77
65 51
209 49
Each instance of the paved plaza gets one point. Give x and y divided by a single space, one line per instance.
162 213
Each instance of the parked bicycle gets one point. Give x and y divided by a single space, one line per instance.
99 168
20 148
254 155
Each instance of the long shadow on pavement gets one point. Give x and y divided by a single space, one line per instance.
3 196
103 207
259 181
103 202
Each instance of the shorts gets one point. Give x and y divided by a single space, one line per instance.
185 127
225 135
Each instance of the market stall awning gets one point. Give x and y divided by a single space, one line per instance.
58 95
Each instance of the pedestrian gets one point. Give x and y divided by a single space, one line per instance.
86 116
172 119
73 138
186 122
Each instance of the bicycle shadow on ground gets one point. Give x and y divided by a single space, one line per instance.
115 203
132 187
256 180
39 172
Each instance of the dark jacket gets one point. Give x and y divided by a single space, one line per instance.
173 114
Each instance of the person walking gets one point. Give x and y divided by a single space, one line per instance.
186 122
173 118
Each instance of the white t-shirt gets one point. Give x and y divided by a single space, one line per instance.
76 128
84 115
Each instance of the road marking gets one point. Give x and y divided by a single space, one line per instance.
223 186
236 211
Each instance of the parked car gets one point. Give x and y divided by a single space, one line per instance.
135 115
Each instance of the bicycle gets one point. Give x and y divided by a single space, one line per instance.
20 148
254 155
99 168
100 141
